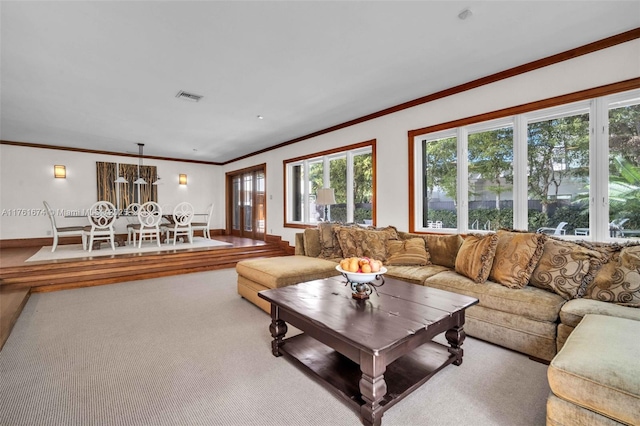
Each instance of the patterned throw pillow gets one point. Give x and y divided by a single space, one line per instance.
407 252
517 254
330 246
565 268
618 280
359 242
443 248
475 256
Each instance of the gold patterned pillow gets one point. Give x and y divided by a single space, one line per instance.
565 268
618 280
330 246
475 256
443 248
311 241
407 252
517 254
359 242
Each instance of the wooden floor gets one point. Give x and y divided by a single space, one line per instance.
18 279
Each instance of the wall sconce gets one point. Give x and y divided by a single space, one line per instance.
182 179
60 172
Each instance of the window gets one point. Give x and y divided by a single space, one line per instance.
573 167
350 172
624 167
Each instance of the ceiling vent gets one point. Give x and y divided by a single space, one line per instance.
188 96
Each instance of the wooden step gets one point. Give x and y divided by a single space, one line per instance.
12 301
109 270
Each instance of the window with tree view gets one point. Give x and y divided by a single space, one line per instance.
348 172
571 170
624 168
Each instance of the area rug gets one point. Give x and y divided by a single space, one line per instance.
72 251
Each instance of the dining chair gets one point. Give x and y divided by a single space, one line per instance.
204 226
58 231
132 217
101 216
182 217
149 216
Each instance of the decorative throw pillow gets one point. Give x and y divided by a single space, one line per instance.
618 280
329 241
391 231
358 242
475 256
566 267
312 246
407 252
443 248
517 254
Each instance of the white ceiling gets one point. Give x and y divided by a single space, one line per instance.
104 75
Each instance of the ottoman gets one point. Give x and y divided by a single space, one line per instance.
595 378
275 272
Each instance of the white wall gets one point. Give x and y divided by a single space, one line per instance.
618 63
26 179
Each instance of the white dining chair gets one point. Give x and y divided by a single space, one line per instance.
132 217
58 231
182 217
204 226
149 216
101 216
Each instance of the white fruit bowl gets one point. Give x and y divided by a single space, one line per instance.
359 277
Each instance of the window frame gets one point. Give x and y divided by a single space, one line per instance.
348 152
595 102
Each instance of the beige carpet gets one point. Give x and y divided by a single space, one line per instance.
73 251
187 350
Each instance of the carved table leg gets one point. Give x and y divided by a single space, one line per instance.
278 329
372 389
455 337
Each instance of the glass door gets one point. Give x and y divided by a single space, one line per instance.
247 209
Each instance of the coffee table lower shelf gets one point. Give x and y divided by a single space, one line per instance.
342 376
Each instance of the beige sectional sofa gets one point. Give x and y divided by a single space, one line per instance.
533 290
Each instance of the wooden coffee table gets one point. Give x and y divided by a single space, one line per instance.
371 352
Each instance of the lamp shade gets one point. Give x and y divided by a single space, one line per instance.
325 197
182 179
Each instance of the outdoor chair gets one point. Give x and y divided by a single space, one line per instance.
558 230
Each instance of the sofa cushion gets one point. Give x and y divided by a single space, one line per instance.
276 272
407 252
565 268
358 242
312 244
597 368
530 302
329 241
618 280
475 256
574 310
414 274
517 254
